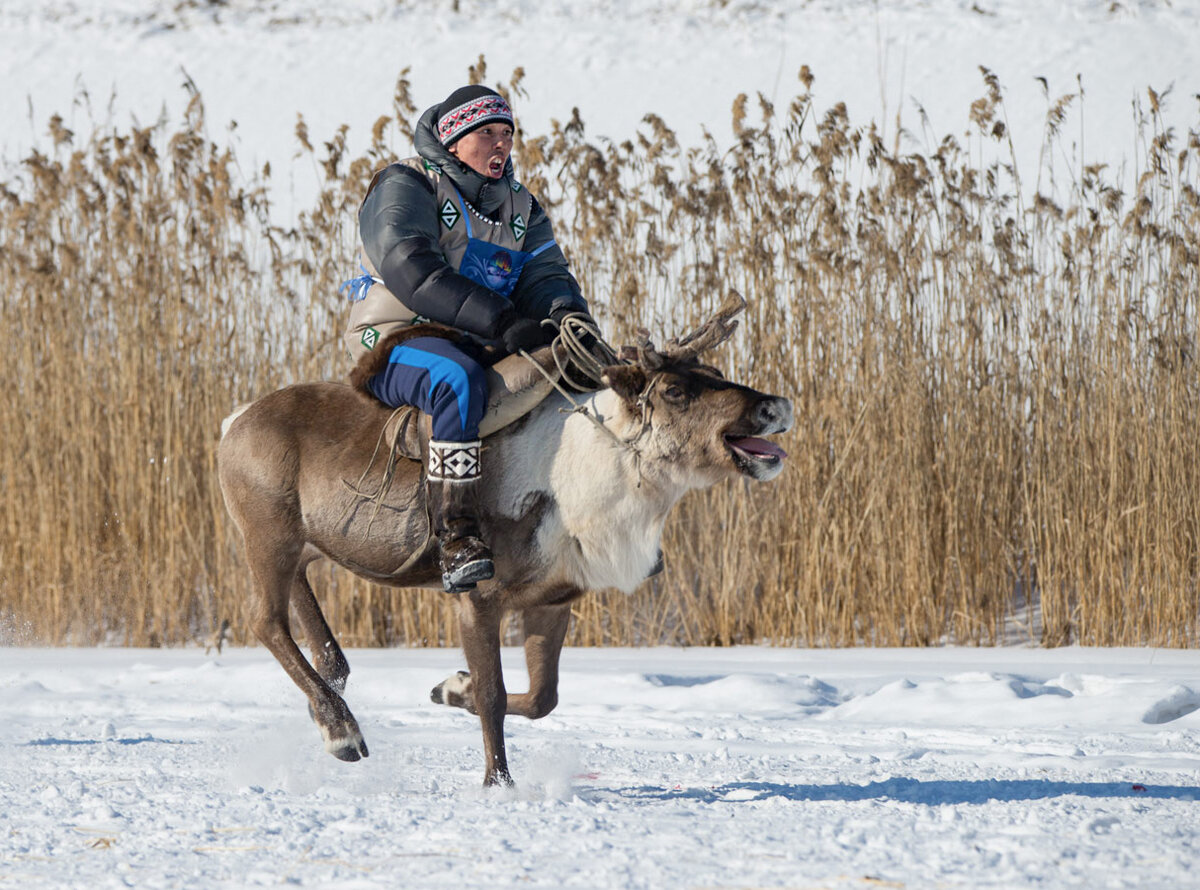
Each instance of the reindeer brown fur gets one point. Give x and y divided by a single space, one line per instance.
568 508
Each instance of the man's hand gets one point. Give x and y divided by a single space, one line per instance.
558 315
586 340
525 334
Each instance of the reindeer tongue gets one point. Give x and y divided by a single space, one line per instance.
754 445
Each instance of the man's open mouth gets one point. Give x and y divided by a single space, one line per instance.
496 167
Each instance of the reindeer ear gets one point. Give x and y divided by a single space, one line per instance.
627 381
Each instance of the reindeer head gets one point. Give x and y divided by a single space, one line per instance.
698 427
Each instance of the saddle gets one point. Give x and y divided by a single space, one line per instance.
515 387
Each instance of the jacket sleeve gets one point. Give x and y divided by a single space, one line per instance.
546 283
398 223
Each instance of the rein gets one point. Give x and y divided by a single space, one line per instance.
571 354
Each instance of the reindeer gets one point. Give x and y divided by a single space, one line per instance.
578 503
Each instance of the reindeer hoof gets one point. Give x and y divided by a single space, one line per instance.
339 729
348 750
498 779
454 691
347 745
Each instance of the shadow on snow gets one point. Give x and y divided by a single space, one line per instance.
933 793
142 740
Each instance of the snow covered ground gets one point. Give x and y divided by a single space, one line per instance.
260 62
735 768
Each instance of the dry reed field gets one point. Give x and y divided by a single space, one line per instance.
996 395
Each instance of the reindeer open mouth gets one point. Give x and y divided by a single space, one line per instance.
751 451
753 455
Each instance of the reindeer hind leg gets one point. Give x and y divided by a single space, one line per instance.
276 566
325 653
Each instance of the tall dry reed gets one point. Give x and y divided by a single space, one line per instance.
995 386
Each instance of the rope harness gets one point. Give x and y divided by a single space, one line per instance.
389 469
571 354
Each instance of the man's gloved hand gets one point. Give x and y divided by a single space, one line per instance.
525 333
559 314
587 341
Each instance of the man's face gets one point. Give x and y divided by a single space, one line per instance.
485 150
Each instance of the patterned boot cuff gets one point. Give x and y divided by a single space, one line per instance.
454 461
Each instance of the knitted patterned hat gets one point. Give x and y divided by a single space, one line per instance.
467 109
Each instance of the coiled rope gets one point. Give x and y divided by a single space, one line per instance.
581 352
574 359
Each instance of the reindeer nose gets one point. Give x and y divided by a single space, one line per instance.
774 415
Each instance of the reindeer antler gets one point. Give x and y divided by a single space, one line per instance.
708 336
711 334
648 357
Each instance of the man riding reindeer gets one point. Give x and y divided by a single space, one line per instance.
451 237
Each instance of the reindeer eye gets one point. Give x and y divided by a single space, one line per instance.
674 393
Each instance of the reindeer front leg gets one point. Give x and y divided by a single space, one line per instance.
545 630
479 623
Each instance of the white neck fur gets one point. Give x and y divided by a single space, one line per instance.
610 512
